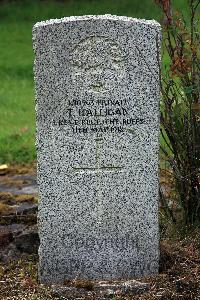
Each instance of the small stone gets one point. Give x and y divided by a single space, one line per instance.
6 237
26 209
124 287
28 240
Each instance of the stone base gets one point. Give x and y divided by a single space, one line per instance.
102 289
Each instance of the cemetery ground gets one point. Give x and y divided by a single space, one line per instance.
179 274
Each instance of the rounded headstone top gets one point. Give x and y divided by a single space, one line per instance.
96 17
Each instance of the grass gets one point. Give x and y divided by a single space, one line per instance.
17 117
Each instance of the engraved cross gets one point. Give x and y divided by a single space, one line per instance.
98 167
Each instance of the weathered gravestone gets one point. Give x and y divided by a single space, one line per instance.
97 94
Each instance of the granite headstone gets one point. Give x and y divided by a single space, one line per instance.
97 109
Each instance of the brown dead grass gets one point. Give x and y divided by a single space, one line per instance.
29 219
6 197
179 277
10 182
15 169
25 198
166 176
5 209
10 199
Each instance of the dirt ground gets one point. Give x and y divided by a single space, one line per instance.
179 274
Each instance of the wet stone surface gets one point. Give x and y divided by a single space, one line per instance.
18 215
19 184
100 290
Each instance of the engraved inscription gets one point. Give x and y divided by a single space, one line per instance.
99 125
98 105
99 61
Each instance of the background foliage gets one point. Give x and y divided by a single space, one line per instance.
17 118
180 111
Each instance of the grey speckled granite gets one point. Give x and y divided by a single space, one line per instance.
97 95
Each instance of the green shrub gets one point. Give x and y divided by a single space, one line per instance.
180 111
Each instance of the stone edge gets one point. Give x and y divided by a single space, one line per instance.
95 17
72 19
